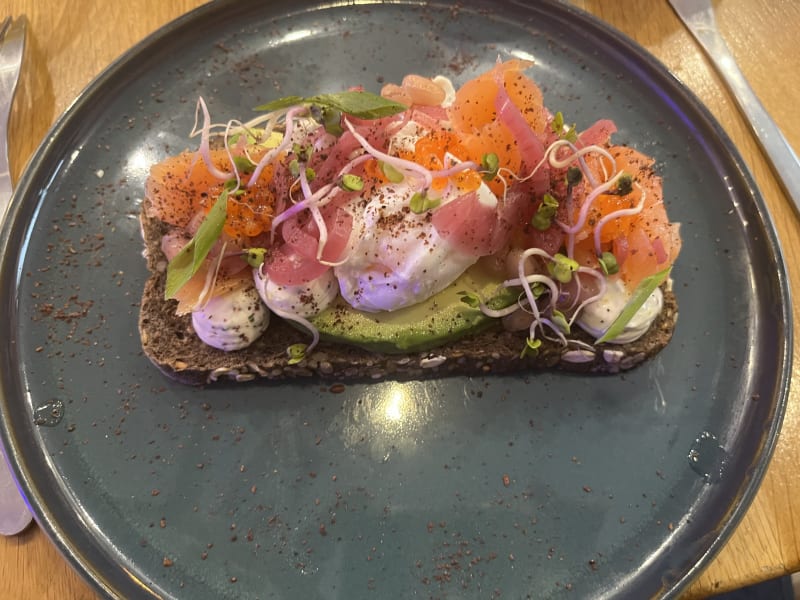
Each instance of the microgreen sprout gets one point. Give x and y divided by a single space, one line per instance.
562 267
294 169
558 126
296 353
303 153
243 164
538 288
574 176
352 183
608 263
531 347
624 185
230 185
390 172
560 320
255 256
490 163
252 136
420 203
545 213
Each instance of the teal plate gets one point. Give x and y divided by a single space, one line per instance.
534 486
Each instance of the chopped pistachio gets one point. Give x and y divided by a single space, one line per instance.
352 183
296 353
608 263
531 347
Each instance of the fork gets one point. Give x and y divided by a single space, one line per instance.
14 512
698 16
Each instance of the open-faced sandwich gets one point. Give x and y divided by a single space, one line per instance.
425 230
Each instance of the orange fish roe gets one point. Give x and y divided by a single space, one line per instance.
250 209
429 151
181 186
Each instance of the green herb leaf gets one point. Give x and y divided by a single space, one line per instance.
332 121
362 105
640 295
187 262
281 103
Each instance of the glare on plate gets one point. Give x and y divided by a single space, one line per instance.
397 404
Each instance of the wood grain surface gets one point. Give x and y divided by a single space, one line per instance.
71 42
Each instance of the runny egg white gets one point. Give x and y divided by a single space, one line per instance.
397 257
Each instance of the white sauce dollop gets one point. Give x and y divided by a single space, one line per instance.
304 300
231 321
597 317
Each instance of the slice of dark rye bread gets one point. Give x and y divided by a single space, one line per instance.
170 343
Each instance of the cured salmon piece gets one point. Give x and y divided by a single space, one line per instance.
643 243
181 186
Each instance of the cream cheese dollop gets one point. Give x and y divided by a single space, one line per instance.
596 317
303 300
231 321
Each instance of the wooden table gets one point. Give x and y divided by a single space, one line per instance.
71 42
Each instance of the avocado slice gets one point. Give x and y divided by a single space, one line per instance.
434 322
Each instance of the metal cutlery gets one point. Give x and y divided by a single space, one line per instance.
698 17
14 512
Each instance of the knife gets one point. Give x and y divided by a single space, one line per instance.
698 17
14 512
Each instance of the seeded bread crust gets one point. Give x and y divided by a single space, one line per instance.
169 341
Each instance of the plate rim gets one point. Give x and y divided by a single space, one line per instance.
97 85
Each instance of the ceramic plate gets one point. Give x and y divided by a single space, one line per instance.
531 486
